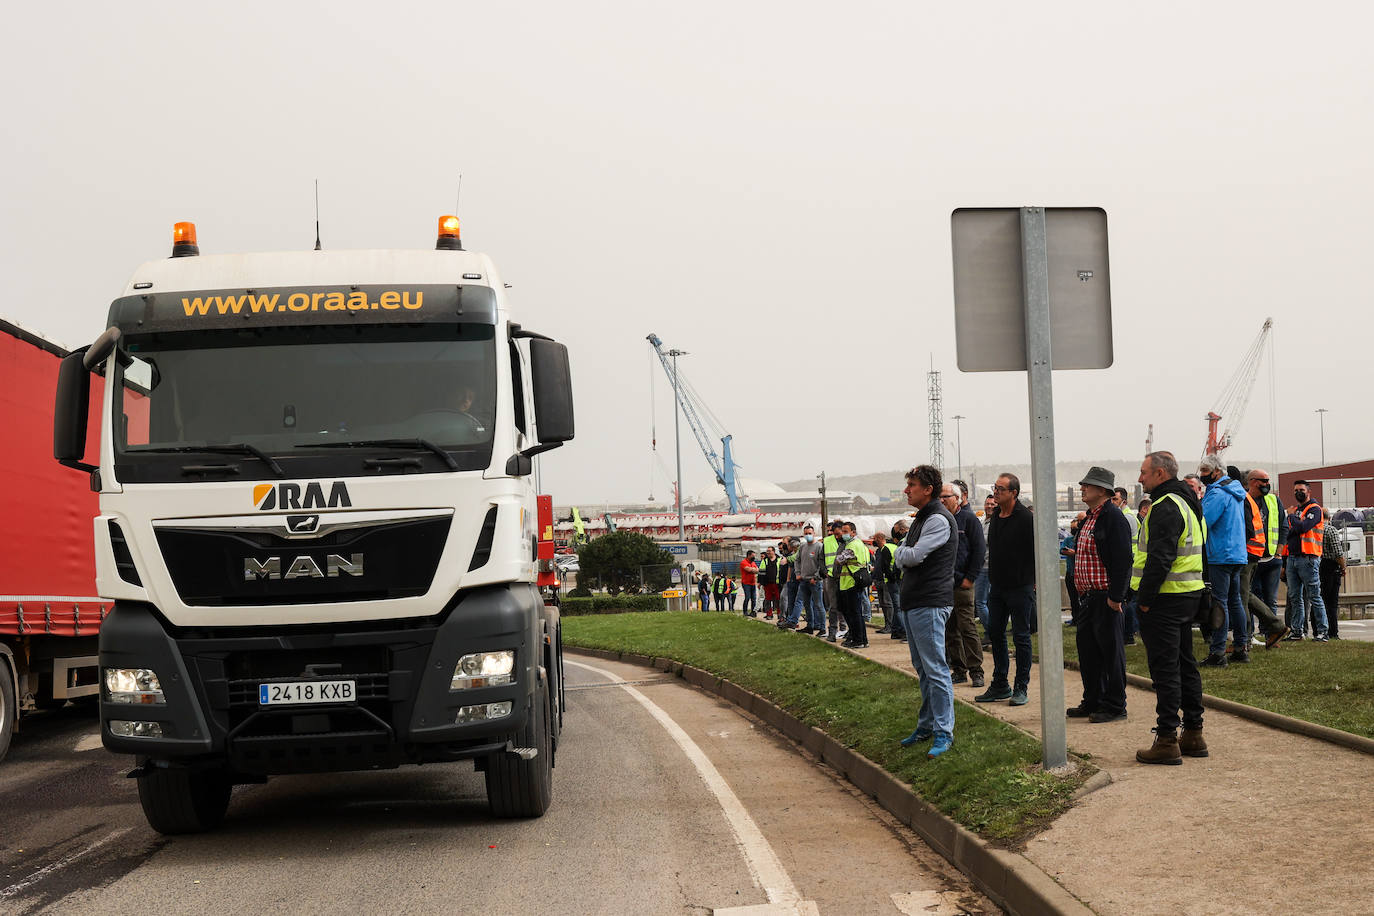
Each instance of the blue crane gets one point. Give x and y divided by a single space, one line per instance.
694 408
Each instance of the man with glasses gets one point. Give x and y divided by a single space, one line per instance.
962 646
1011 596
1266 530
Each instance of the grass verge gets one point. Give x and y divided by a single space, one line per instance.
1330 684
990 781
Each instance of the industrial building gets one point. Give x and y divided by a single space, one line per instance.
1335 486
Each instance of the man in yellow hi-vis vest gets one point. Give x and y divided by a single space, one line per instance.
1167 578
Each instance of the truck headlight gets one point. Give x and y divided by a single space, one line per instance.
484 669
483 712
133 685
122 729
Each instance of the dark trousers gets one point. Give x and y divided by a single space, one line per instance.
720 601
1254 603
1017 605
750 598
851 606
1075 601
832 604
1167 628
963 648
1101 653
1330 573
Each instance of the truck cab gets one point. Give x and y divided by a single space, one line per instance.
318 522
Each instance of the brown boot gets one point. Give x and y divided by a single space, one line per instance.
1191 743
1164 750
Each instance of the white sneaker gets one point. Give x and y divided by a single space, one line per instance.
843 634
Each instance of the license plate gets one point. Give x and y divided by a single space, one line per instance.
307 692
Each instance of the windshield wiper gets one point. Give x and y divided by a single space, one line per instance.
239 449
390 443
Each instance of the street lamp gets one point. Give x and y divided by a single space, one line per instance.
677 442
1321 419
959 442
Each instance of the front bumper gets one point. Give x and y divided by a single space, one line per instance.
404 711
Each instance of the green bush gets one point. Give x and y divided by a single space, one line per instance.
607 604
580 592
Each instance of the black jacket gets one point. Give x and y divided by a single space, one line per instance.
1011 548
1166 526
1112 538
973 548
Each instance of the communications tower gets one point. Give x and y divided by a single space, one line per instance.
937 417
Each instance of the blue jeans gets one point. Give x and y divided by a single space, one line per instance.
750 598
1017 605
1305 595
925 636
980 597
865 605
809 596
895 593
1266 583
789 597
1225 581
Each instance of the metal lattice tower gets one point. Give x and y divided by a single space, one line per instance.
937 417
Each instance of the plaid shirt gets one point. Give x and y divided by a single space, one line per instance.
1088 571
1331 543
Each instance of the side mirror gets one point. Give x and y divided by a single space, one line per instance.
71 410
98 352
553 399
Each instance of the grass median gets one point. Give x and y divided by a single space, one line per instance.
990 781
1329 684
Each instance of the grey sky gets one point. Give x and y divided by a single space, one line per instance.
765 185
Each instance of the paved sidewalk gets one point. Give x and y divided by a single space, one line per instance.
1271 822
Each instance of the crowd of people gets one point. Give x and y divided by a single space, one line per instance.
1205 550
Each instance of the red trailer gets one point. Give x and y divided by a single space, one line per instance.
49 611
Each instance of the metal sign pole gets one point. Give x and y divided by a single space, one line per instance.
1035 267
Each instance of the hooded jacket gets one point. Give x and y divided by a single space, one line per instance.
1223 507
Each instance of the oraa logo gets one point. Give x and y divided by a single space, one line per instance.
291 496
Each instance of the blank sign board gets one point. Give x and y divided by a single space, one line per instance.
989 294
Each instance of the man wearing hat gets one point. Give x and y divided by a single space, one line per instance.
1101 573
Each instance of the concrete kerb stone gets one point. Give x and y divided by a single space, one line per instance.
1010 880
1266 717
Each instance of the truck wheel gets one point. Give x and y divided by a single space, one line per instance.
9 710
517 787
184 801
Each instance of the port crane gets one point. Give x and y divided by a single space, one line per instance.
1235 397
694 408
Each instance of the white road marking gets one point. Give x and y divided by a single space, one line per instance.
7 892
764 865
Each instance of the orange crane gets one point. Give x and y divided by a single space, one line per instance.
1235 397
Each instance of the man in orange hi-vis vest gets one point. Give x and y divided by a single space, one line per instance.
1304 557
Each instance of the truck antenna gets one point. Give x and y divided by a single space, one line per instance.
317 214
459 199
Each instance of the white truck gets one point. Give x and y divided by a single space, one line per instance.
318 522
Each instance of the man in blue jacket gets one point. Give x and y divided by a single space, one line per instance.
1223 508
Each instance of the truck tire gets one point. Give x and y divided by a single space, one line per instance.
9 709
517 787
184 801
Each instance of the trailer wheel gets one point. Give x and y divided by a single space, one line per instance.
517 787
9 710
184 801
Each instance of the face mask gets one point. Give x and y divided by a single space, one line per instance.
1264 489
847 538
810 538
1300 495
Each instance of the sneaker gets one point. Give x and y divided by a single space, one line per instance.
1130 640
843 634
859 645
831 639
994 694
1098 718
1293 637
916 737
1274 638
1319 639
958 678
1078 712
977 681
1214 661
885 630
1018 698
943 742
850 644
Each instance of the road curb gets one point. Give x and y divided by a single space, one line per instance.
1009 879
1264 717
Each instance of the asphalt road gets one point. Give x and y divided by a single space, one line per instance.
666 800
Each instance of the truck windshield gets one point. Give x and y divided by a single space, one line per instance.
280 391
